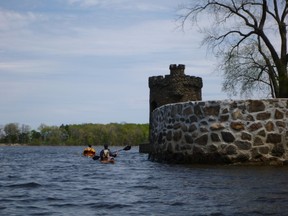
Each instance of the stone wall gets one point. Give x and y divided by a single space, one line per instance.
244 131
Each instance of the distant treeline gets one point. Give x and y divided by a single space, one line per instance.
76 134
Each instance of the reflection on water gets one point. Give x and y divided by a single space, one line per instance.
59 181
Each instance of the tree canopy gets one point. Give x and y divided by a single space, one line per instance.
77 134
249 37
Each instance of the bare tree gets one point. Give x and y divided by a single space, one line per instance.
25 135
246 73
250 39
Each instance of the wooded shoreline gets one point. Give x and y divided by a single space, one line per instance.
113 134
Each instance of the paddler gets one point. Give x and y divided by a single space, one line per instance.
105 154
89 150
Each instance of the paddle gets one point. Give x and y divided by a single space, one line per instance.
96 157
126 148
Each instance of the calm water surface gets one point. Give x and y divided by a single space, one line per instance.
59 181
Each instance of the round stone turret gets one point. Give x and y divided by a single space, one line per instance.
174 88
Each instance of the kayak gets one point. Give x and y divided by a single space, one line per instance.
110 160
106 161
89 153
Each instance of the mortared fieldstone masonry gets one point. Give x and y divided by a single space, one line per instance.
228 131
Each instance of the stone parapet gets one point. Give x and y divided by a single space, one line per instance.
243 131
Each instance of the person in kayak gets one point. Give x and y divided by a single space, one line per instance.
89 151
105 154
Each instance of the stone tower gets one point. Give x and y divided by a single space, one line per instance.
174 88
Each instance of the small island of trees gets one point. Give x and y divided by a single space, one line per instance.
75 134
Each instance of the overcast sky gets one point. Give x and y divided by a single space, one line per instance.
88 61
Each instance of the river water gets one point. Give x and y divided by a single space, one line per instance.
59 181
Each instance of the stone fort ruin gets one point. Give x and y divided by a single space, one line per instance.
174 88
185 129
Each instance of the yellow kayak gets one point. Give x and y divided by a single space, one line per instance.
88 153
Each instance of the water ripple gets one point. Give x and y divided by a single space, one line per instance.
59 181
28 185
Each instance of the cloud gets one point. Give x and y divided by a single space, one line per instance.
52 34
74 64
139 5
12 20
86 3
146 37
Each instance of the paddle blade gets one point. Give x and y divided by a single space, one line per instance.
127 148
96 157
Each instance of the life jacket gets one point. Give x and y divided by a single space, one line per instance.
89 149
105 154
